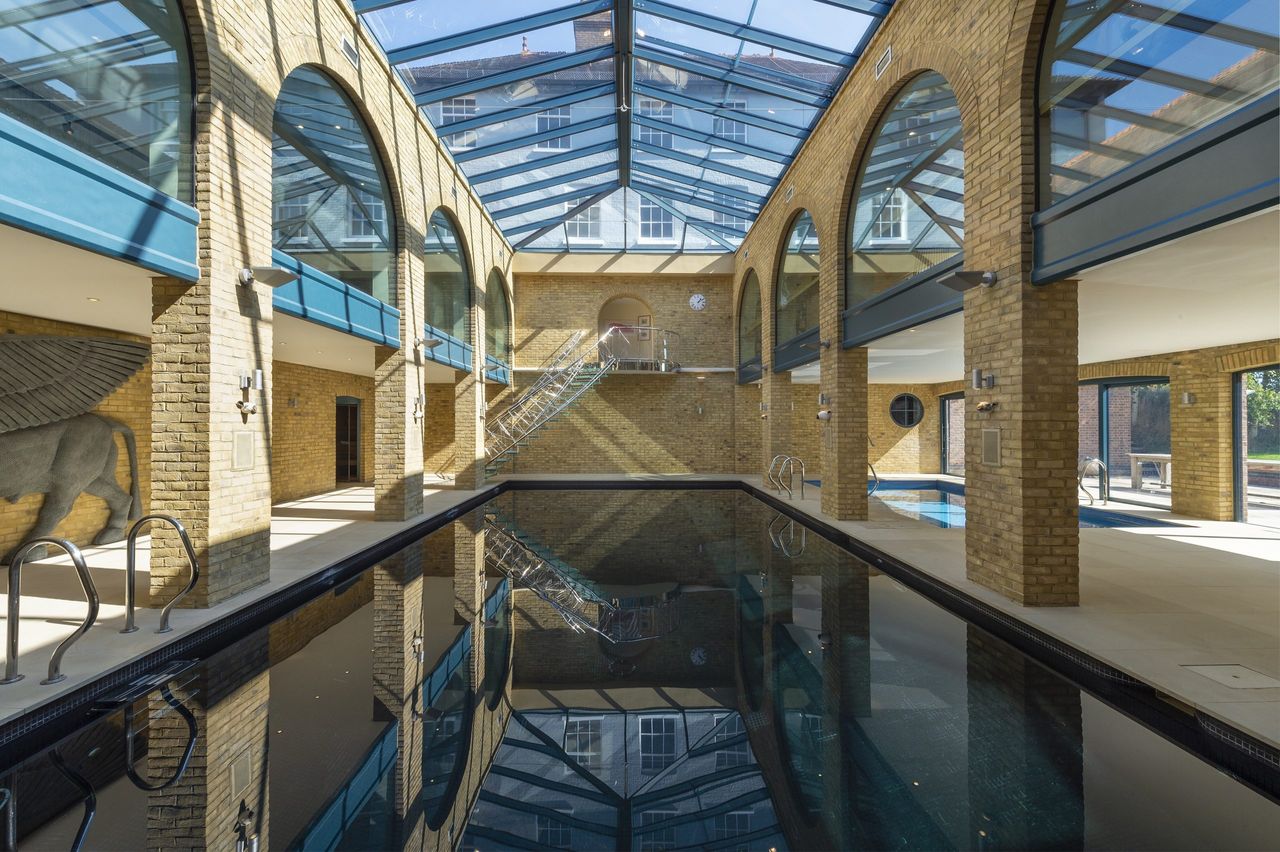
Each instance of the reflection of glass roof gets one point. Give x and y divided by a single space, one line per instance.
623 124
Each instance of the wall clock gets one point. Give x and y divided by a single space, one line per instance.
697 301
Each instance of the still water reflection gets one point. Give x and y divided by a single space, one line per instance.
779 697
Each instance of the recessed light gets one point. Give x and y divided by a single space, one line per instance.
94 299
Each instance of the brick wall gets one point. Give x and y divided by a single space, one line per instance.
303 428
130 405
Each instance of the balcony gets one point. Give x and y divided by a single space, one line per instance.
641 349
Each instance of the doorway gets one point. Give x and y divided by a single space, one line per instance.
347 435
1256 394
1126 423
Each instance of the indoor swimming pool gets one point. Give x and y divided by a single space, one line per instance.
627 669
942 504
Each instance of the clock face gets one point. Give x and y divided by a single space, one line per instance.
697 301
698 656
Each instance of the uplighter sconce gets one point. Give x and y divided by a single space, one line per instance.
419 408
249 382
821 344
983 380
764 411
963 280
272 276
428 342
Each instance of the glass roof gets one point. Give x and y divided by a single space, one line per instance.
623 125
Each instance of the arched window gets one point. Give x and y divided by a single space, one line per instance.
112 79
749 320
332 207
796 306
1120 81
497 319
908 211
448 279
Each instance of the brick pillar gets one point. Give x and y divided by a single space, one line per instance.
1026 768
397 451
1200 439
398 672
229 699
844 436
1022 537
775 393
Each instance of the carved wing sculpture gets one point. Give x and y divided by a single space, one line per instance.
46 379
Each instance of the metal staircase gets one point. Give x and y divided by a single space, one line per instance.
577 366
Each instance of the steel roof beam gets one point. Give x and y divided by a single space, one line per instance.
875 8
624 25
480 35
758 84
751 69
746 32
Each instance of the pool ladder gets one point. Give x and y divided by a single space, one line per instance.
784 539
781 465
92 599
1104 479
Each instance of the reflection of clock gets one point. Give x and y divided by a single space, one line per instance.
698 656
697 301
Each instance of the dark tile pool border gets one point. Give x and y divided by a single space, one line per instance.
1249 760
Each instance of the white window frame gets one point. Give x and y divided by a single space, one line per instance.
892 217
554 833
661 110
458 109
735 755
588 219
554 119
729 825
668 220
740 223
652 841
592 760
358 223
730 128
301 204
651 760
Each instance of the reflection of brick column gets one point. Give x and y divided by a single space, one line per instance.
469 585
469 407
1026 765
844 436
1022 536
846 681
398 671
229 699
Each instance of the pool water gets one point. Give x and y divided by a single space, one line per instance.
944 507
742 697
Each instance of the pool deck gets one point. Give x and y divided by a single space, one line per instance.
1154 600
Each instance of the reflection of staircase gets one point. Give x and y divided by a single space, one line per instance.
577 600
575 367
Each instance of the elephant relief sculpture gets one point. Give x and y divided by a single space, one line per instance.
50 441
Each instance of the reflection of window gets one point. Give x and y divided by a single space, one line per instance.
728 128
731 755
553 833
289 223
585 225
738 223
582 741
661 111
657 742
657 839
366 216
458 109
655 221
891 224
913 126
553 119
732 824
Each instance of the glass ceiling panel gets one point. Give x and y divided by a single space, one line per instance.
717 96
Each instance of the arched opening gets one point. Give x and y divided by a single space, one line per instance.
448 278
1119 82
331 201
750 322
795 308
906 221
115 83
626 312
497 319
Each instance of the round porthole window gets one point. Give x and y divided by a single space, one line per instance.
906 410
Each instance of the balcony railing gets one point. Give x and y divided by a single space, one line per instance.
641 349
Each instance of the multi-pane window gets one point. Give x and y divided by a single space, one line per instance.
732 824
656 222
289 218
656 839
366 216
585 225
736 754
659 111
728 220
454 110
657 742
915 127
553 833
891 223
582 741
551 120
728 128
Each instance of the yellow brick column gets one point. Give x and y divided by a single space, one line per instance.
399 388
1201 440
844 436
1022 536
469 404
775 393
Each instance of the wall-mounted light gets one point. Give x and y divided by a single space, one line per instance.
246 836
824 414
983 380
821 344
1188 398
963 280
249 381
428 342
272 276
419 408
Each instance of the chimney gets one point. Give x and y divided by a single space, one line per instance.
593 31
524 46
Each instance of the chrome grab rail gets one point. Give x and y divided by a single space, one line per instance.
15 600
1104 479
790 467
774 482
87 797
786 464
785 544
130 760
875 477
131 570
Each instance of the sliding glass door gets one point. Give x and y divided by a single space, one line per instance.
952 421
1257 450
1125 423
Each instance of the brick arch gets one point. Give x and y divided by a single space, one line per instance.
470 260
